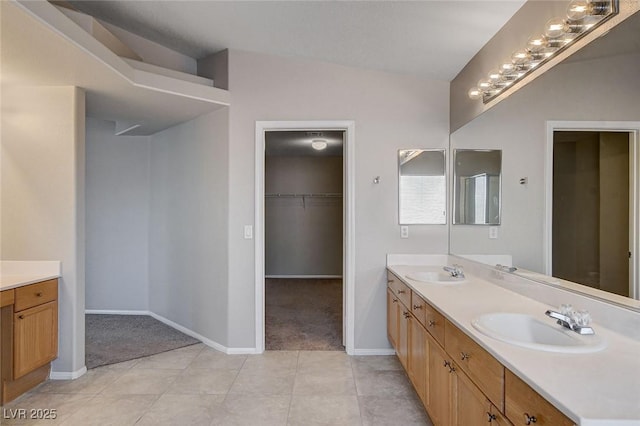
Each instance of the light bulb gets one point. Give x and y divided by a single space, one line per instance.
520 57
475 93
536 44
554 28
578 10
484 85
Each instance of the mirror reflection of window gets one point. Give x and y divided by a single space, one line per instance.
477 187
422 187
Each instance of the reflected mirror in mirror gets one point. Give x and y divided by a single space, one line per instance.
422 186
477 186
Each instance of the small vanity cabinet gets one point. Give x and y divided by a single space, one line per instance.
458 381
29 334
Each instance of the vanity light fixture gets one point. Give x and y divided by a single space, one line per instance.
319 144
582 17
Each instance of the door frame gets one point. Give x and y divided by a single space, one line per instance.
631 127
348 237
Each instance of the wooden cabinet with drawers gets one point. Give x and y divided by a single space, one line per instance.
29 336
458 381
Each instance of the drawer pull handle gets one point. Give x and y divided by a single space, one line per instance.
432 323
39 294
529 419
20 316
395 300
463 356
492 417
452 369
401 291
447 364
415 307
390 281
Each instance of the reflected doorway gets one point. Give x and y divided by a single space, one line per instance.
592 210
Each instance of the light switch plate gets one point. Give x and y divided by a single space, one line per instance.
404 231
248 232
493 232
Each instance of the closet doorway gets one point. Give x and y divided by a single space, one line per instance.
304 231
303 239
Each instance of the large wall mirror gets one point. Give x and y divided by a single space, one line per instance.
596 89
422 186
476 176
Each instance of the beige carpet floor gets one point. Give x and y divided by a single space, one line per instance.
110 339
303 314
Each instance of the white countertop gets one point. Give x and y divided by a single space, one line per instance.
601 388
15 274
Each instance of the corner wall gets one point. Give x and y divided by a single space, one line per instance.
390 111
42 171
117 205
188 257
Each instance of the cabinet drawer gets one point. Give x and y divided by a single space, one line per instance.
434 323
399 288
35 294
524 403
7 297
481 367
418 308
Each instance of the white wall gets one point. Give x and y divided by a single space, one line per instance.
42 209
594 90
188 257
117 212
390 112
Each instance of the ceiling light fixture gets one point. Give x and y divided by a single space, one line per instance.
319 144
581 18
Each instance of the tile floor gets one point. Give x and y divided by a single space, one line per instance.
197 385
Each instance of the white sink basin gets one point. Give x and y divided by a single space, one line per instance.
529 332
434 277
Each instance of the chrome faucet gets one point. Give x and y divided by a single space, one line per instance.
575 321
456 271
504 268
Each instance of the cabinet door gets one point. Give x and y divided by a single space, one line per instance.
392 318
35 338
418 357
524 406
403 335
441 385
471 407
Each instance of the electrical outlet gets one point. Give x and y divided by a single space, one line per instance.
404 231
248 232
493 232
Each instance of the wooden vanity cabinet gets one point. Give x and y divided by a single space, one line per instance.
29 337
458 381
482 368
471 407
524 406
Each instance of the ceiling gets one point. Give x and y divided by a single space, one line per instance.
298 143
430 39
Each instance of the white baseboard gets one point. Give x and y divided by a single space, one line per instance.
389 351
114 312
304 276
67 375
212 344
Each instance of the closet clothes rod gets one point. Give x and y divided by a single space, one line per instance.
319 195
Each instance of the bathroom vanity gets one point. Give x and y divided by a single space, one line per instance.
28 325
465 377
